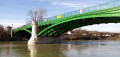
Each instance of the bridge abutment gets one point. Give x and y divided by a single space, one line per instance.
33 39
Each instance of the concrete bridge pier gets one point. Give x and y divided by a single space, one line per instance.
33 39
9 30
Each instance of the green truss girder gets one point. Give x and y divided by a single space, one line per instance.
56 23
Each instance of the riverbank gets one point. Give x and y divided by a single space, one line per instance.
4 33
71 37
90 35
107 38
112 38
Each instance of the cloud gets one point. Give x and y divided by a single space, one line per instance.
111 27
71 3
74 4
66 4
7 22
43 0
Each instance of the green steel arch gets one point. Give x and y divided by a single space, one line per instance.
22 28
103 13
103 16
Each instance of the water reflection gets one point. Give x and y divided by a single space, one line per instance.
32 49
6 49
95 49
45 50
69 46
73 49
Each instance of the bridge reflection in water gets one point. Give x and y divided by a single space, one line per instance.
73 49
32 50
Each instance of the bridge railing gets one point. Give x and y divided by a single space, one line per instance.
89 9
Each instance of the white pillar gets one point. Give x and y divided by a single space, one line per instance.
33 39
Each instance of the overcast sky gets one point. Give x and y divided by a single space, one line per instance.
15 11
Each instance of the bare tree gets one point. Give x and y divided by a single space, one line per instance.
37 15
4 35
28 20
41 14
1 28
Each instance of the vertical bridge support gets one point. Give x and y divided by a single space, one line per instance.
9 31
33 39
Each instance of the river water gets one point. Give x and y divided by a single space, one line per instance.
65 49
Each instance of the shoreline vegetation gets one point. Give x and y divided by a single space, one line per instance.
78 34
4 34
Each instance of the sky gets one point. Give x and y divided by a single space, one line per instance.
15 11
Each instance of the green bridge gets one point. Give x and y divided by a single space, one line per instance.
57 25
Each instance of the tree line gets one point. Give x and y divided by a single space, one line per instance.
80 34
4 35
